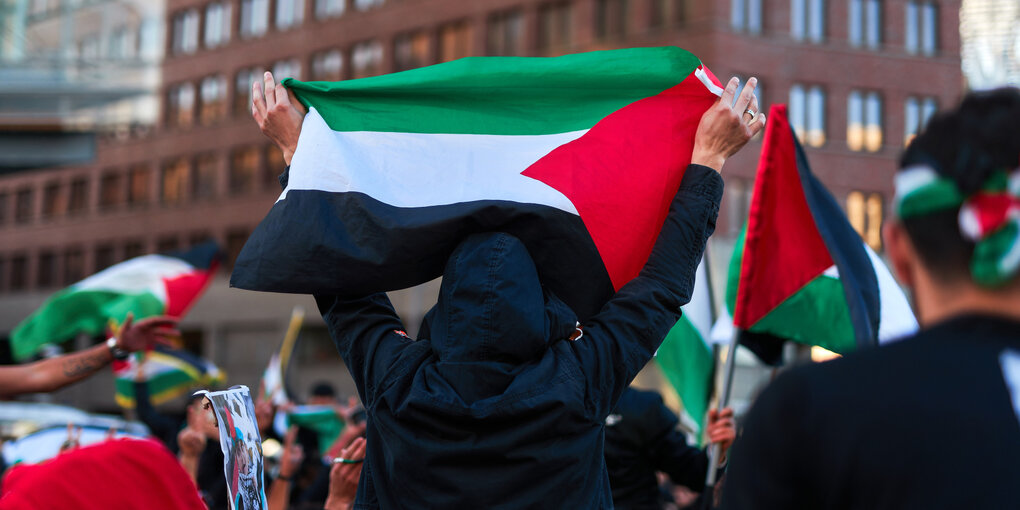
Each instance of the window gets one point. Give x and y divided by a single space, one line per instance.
329 8
45 274
174 182
185 32
111 191
610 18
289 13
242 89
286 68
554 26
274 166
328 65
236 237
244 167
51 205
3 273
19 272
212 99
865 214
746 15
366 59
217 24
865 23
410 51
138 185
864 121
23 205
134 248
181 105
167 244
74 265
505 34
922 28
364 5
658 13
199 237
807 20
916 115
105 256
79 200
454 41
807 114
203 185
254 18
5 203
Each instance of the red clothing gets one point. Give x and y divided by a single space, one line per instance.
119 474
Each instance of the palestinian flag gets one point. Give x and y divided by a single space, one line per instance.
323 420
685 356
578 156
801 272
168 372
145 286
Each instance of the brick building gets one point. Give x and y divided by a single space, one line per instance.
860 76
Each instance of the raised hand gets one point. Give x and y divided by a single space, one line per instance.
720 429
277 113
146 333
344 476
726 127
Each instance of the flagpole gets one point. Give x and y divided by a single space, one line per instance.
724 399
297 316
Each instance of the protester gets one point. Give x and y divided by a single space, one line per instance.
926 422
52 374
290 463
642 438
497 405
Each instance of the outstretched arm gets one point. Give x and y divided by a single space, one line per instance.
55 373
621 339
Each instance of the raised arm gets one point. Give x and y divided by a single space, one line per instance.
621 338
55 373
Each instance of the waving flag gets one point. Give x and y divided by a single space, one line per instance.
801 272
145 286
169 373
685 356
578 156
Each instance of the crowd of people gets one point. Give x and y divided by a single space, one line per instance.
500 404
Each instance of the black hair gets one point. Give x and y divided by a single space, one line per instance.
323 389
967 145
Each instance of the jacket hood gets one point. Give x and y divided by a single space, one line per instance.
493 313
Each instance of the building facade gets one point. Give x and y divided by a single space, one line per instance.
860 77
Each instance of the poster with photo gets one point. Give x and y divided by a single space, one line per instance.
242 447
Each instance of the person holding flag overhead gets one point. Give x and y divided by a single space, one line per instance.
931 421
497 406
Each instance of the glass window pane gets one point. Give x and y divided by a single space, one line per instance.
856 29
737 9
798 23
754 16
873 122
855 121
798 110
910 39
929 28
816 20
873 32
816 117
911 119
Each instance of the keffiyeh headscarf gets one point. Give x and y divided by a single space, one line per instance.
989 217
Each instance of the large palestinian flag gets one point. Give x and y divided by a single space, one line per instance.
145 286
578 156
801 272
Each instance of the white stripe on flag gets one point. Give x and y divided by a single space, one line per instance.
424 169
137 276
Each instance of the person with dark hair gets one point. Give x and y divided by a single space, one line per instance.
930 421
642 438
498 407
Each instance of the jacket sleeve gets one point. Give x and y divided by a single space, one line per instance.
670 453
623 336
369 336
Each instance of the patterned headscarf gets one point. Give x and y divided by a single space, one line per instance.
990 217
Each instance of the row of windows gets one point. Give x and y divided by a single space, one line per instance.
865 26
248 169
253 20
865 117
59 267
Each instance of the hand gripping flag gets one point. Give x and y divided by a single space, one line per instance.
801 272
145 286
578 156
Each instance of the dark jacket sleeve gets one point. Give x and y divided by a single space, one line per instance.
670 453
162 426
767 467
368 335
623 336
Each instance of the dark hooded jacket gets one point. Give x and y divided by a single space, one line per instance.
497 408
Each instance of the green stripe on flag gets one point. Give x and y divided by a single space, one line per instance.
499 95
686 361
72 311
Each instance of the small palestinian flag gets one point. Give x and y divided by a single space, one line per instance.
578 156
801 272
146 286
168 373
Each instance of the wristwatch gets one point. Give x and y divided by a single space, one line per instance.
118 353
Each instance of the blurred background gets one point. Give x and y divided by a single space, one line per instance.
125 126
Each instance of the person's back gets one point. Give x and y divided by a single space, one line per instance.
927 422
